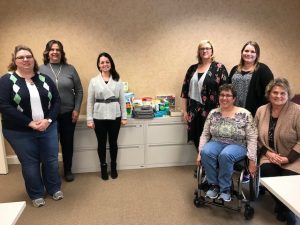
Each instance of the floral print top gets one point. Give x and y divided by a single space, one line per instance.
239 129
215 77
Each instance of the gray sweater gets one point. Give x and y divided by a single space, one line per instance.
68 84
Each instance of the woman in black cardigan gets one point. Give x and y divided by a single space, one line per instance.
250 78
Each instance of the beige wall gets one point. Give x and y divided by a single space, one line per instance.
153 42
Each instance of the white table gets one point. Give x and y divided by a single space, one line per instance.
10 212
286 189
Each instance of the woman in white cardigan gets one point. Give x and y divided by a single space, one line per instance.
106 111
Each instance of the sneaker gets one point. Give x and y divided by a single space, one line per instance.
246 178
213 192
225 196
39 202
58 195
69 176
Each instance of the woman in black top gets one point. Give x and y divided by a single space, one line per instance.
250 78
200 89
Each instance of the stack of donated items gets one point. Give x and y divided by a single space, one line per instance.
142 108
143 112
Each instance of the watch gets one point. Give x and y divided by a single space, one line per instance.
49 121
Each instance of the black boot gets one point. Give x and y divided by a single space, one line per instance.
113 171
104 174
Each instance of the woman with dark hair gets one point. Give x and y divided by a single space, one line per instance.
70 90
106 111
229 135
29 103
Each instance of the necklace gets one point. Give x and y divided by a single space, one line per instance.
56 74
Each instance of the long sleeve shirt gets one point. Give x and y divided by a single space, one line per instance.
239 129
98 89
68 84
15 100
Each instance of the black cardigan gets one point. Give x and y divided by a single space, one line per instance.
15 100
256 92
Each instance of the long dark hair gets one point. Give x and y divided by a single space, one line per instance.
63 59
115 75
13 67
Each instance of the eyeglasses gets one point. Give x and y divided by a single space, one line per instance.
225 96
203 49
24 57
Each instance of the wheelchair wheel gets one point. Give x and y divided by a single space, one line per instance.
249 212
199 201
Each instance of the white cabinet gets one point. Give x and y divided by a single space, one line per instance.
157 142
167 144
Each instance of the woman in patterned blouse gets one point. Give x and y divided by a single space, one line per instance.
200 89
229 135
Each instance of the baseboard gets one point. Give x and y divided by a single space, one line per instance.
13 159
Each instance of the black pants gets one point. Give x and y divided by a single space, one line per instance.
196 128
273 170
110 128
66 130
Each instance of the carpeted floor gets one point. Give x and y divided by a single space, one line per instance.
158 196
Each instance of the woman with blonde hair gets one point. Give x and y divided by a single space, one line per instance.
200 89
278 124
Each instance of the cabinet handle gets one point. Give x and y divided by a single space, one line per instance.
164 124
132 125
129 147
175 144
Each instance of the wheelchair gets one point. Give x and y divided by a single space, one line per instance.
238 190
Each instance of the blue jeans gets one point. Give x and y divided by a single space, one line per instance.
38 154
218 159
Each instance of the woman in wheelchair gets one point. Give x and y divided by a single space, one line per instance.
229 136
278 124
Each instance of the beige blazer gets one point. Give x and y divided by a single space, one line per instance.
286 135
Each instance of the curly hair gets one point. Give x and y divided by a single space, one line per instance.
13 66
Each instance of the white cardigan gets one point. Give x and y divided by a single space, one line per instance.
98 89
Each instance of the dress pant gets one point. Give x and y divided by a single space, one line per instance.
66 129
110 129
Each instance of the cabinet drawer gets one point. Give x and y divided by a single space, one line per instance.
130 157
170 155
175 132
87 160
131 134
85 138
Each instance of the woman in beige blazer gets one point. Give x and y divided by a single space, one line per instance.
278 124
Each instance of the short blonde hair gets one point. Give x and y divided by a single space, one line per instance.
203 42
280 82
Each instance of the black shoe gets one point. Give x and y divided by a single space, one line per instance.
262 190
195 172
69 176
114 174
281 216
113 171
104 174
